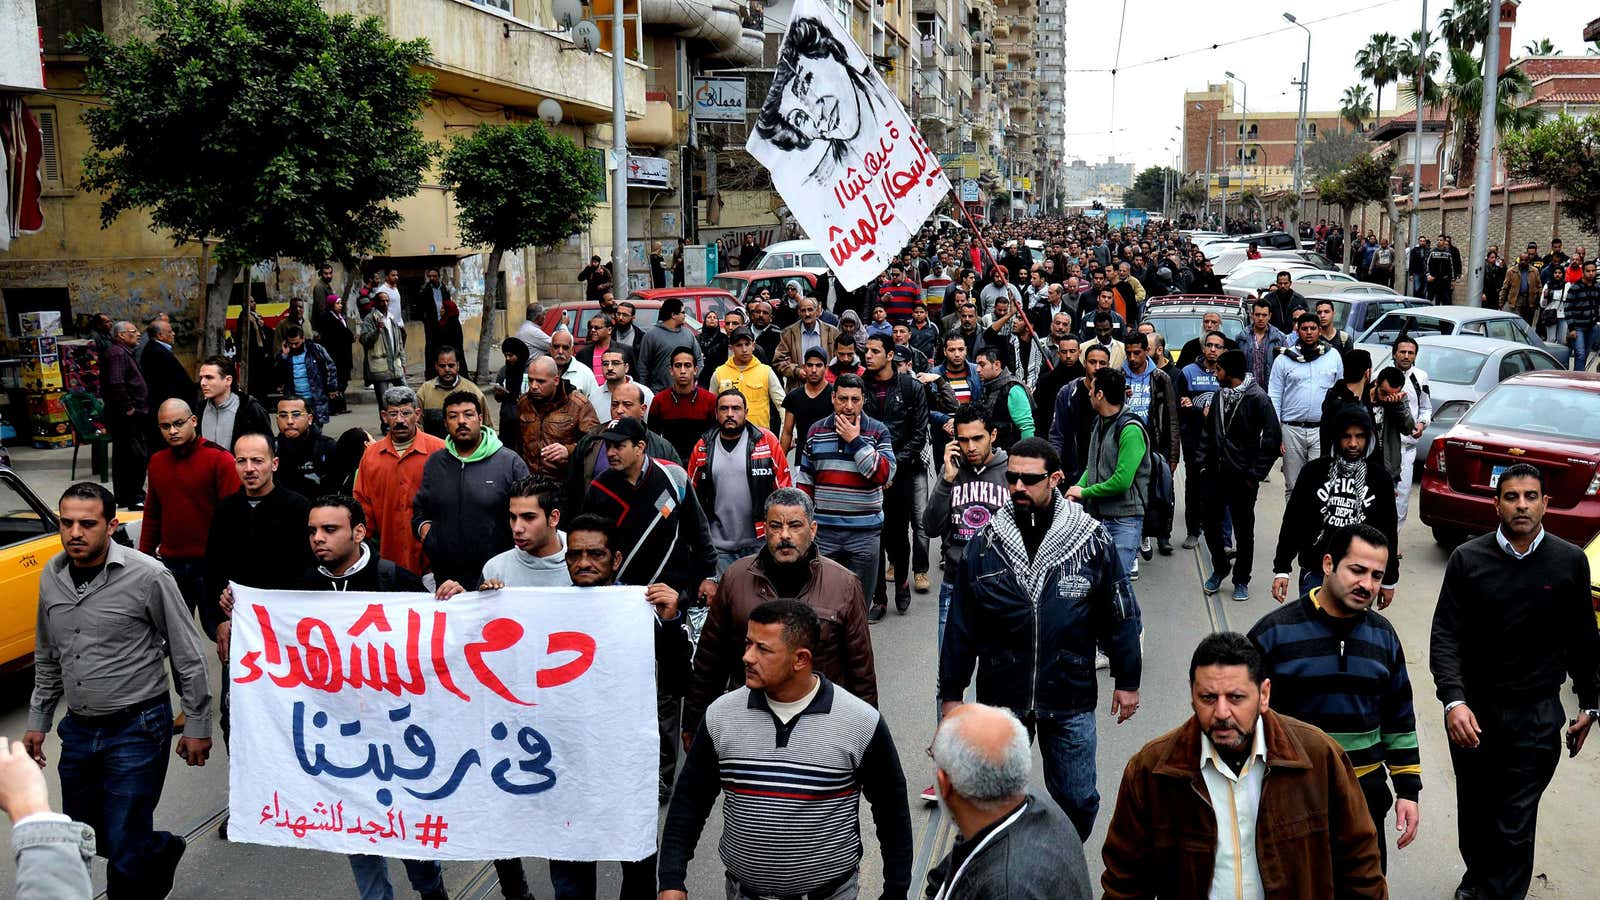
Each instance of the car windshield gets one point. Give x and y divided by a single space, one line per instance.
732 285
1387 328
1451 365
1182 328
1540 409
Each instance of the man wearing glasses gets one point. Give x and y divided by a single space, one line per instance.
305 454
187 481
1041 588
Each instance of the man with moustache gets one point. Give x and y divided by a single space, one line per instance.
733 469
460 511
1308 649
1196 809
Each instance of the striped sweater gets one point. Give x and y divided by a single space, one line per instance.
790 793
846 480
1347 677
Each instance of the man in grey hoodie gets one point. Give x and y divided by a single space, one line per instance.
539 558
970 487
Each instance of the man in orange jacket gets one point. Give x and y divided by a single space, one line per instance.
390 475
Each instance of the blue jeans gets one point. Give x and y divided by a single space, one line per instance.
856 551
577 880
946 588
372 876
1126 533
112 769
1067 744
726 558
1587 339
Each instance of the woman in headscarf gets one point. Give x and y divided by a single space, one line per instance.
347 460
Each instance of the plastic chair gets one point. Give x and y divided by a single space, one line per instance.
87 415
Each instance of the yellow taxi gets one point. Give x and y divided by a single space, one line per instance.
29 538
1593 552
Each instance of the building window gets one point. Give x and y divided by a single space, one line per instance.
841 11
1311 130
502 5
50 141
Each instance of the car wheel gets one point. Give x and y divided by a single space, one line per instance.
1447 538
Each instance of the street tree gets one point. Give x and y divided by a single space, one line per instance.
1541 47
1333 150
1463 99
1150 187
1192 195
517 186
1364 180
1417 70
1465 24
1564 152
262 128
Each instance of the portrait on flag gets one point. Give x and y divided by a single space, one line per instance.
841 150
496 725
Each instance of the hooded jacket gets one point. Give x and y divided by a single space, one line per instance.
467 500
514 568
957 510
1239 437
766 470
1332 492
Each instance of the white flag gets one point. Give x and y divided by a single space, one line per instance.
842 151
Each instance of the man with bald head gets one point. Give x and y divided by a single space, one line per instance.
1013 843
553 415
187 480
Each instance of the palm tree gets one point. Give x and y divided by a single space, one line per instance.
1409 67
1463 98
1465 25
1541 47
1377 62
1355 106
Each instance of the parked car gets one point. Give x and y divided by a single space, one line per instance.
1276 240
30 537
697 301
1225 258
1348 288
1177 317
1354 309
1550 419
1471 320
1251 282
747 284
1461 369
793 255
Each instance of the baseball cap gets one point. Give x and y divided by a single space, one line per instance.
623 429
902 354
817 354
741 334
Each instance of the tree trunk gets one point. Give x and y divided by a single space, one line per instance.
1344 212
488 317
1466 161
214 318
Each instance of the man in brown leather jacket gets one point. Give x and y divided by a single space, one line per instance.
1304 829
553 418
787 568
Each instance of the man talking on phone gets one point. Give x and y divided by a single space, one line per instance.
1514 619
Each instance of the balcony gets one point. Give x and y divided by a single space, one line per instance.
1001 28
473 55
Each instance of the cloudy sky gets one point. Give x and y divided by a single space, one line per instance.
1148 91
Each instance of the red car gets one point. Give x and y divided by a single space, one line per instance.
1548 418
697 301
745 285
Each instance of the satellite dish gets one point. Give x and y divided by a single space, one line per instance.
567 13
586 35
550 112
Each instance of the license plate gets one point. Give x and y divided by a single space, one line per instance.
1494 476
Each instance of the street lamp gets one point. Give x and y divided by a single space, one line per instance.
1244 128
1300 126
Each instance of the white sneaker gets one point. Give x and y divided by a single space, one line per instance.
1101 661
1134 575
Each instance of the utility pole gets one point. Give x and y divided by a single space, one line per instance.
1300 130
1487 131
619 150
1210 139
1224 178
1416 167
1244 131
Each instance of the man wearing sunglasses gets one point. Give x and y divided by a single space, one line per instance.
1032 580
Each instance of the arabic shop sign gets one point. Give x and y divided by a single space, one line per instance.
719 99
396 725
649 172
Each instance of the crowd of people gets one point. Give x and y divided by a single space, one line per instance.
770 511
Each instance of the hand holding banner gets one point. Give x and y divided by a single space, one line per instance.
842 151
497 725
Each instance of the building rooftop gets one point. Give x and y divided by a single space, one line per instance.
1434 118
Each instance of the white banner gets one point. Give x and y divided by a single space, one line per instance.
495 725
841 150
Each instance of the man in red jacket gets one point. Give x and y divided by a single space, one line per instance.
187 481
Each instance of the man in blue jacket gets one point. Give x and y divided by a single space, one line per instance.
1037 590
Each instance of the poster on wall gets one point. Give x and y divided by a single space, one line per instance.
842 152
719 99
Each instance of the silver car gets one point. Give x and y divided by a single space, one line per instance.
1461 369
1459 320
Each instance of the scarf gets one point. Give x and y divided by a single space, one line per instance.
1230 398
1027 369
1072 537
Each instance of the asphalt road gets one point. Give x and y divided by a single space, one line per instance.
1176 615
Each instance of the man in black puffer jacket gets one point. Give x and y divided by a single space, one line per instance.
898 400
462 511
1238 444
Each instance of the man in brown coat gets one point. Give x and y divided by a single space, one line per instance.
795 340
787 568
553 417
1303 832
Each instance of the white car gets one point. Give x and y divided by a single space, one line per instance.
792 255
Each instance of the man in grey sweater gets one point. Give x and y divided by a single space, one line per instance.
655 348
971 486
